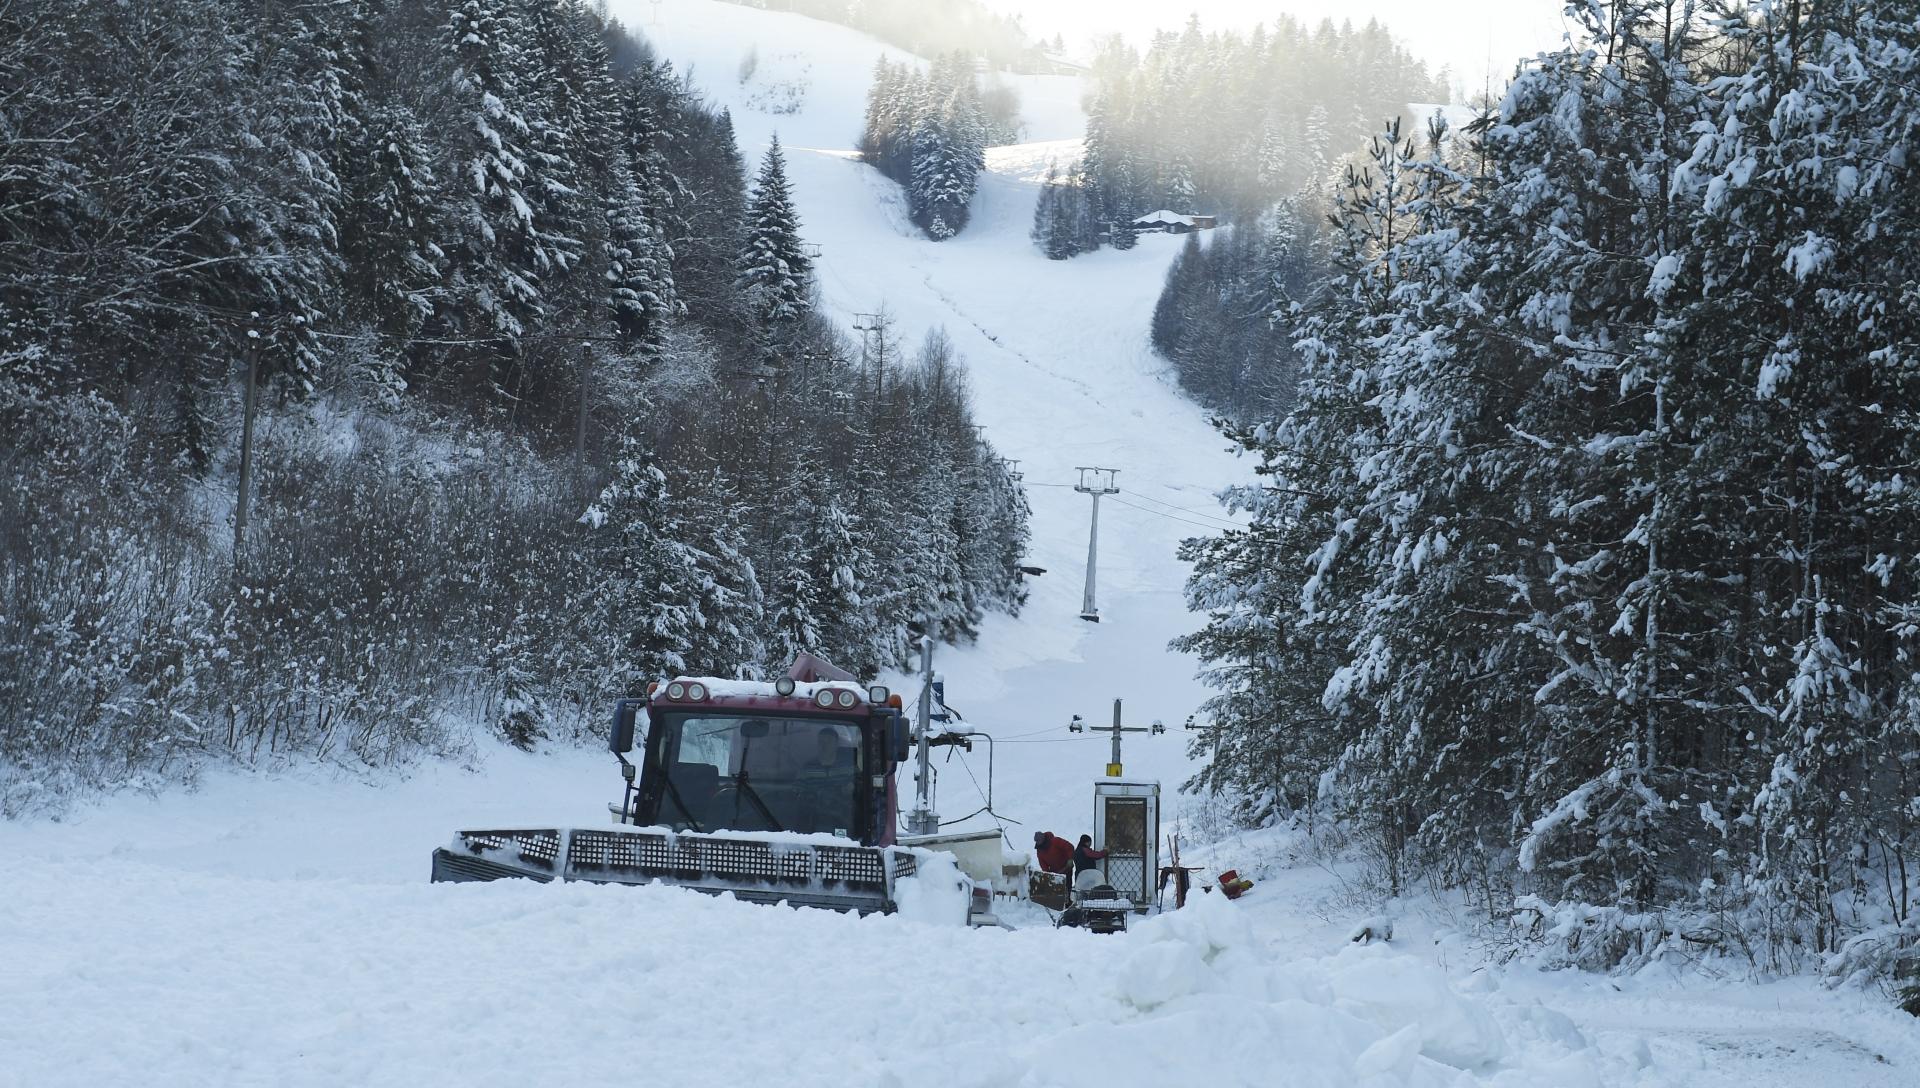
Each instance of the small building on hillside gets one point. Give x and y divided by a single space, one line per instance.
1172 223
1051 63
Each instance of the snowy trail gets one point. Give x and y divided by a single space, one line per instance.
1062 377
279 932
224 981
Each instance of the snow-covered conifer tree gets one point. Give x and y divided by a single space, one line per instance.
728 605
774 271
637 545
842 570
390 226
499 254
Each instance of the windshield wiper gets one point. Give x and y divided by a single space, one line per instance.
673 791
747 788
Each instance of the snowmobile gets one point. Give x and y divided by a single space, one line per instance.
773 792
1096 905
1102 909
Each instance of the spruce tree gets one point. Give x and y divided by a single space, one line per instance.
650 576
842 571
639 275
499 255
774 272
728 605
1045 208
390 226
281 222
793 603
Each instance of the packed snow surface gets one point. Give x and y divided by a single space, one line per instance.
279 930
144 972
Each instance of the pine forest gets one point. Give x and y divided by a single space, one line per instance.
391 361
1580 571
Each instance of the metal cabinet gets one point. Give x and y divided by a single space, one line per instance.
1126 824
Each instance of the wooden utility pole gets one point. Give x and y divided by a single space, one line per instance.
580 418
252 402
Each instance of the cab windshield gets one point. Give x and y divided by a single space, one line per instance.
757 773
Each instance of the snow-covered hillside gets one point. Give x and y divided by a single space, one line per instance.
281 931
1062 377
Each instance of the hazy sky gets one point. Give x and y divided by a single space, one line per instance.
1459 33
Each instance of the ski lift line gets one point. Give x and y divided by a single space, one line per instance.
1182 509
1035 733
1170 517
1178 518
1219 525
1137 495
1210 515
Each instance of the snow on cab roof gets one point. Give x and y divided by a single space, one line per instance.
723 688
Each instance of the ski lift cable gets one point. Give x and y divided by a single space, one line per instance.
1035 733
1170 517
1172 507
1135 494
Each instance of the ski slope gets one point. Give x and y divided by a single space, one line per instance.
140 974
278 930
1062 377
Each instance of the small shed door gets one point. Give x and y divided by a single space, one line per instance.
1126 839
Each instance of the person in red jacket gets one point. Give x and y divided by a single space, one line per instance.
1086 857
1052 852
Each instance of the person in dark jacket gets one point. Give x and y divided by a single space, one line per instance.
1086 857
1052 852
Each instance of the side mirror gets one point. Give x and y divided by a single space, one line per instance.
902 741
624 712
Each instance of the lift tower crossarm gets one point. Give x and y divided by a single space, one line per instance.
1113 768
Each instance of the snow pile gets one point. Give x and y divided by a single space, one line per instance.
1400 994
1374 927
936 893
1208 996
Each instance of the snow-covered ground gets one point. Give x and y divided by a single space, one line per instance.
1694 1025
280 930
143 973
